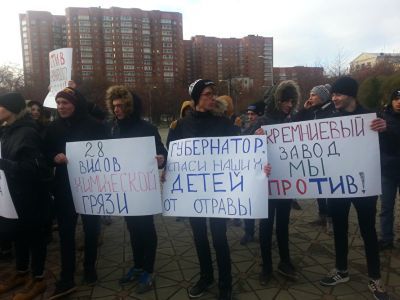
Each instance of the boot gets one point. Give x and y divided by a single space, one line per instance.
34 288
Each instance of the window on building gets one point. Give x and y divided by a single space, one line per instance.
87 67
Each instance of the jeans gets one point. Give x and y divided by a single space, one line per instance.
366 211
390 186
143 241
280 207
220 242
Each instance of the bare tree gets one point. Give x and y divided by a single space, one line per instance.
11 78
339 66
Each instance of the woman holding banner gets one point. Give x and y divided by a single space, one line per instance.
74 124
126 109
25 168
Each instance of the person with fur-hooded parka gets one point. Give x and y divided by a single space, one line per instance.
280 102
186 108
126 108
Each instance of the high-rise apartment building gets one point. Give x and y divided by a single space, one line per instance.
125 46
129 46
230 58
41 33
141 48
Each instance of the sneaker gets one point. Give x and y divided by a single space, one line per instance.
34 288
385 245
246 239
265 278
296 205
335 277
133 274
378 290
200 287
287 270
146 282
16 280
225 294
63 288
90 277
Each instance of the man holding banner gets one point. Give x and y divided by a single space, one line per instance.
202 123
74 124
126 108
344 93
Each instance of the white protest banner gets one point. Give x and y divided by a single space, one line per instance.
114 177
60 61
7 208
328 158
216 177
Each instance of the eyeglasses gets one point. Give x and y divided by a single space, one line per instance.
208 94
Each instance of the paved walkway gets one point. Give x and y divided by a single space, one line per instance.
177 266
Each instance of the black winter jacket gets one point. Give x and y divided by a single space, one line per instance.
203 124
316 112
134 126
390 144
27 174
79 127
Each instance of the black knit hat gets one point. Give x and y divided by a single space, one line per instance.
13 102
197 87
346 86
395 94
257 108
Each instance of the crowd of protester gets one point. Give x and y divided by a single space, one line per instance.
34 161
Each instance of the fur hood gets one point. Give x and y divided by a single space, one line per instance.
132 103
284 90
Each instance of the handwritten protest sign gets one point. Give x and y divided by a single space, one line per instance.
329 158
60 61
216 177
7 208
114 177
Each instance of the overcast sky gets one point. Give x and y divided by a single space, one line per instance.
305 32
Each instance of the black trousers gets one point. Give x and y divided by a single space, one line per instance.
220 242
143 241
66 229
323 206
281 208
366 212
249 226
31 246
